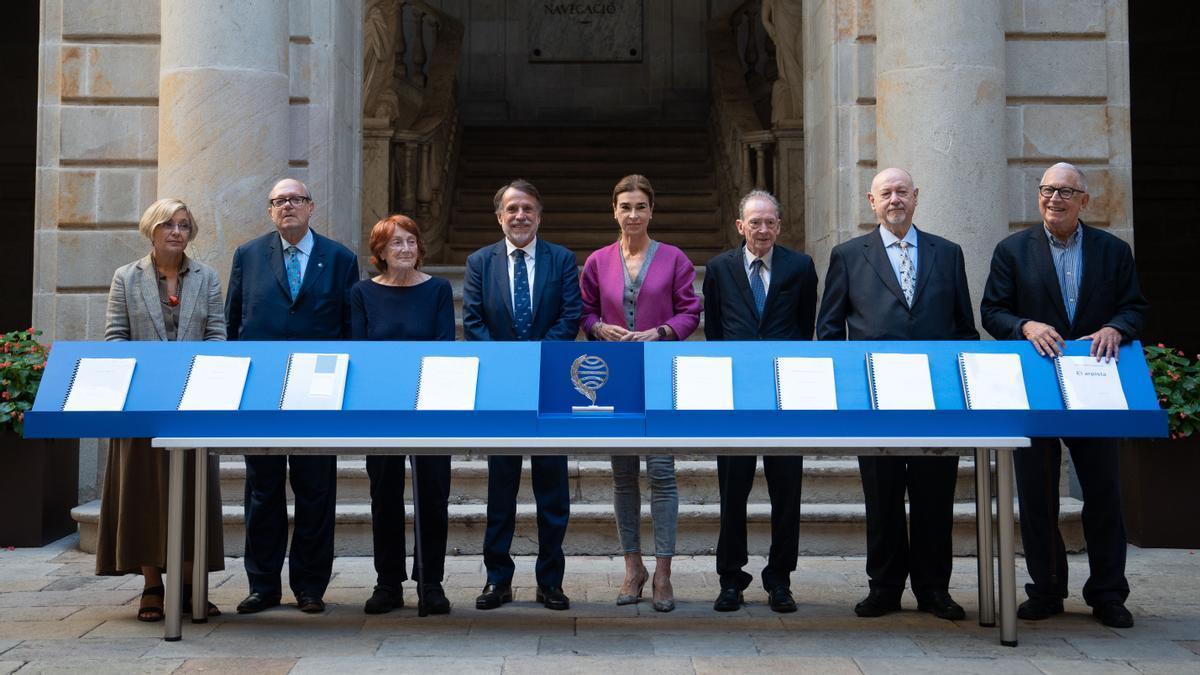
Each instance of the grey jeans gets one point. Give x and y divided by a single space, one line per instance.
664 502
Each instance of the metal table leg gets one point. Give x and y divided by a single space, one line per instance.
983 536
200 544
173 626
1008 554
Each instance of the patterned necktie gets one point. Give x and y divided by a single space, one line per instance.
522 310
757 288
293 270
908 275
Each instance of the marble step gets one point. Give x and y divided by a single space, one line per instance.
829 481
825 529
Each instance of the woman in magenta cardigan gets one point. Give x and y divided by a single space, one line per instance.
639 290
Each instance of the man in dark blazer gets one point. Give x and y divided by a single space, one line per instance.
523 288
759 291
898 283
290 284
1063 280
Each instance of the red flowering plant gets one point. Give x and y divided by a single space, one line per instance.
1177 383
22 362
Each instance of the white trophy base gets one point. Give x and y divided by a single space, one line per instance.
592 409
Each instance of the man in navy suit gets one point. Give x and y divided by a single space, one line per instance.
523 288
898 283
759 291
290 284
1063 280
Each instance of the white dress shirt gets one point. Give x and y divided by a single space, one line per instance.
530 267
304 248
748 260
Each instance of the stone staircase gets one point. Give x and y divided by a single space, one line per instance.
832 519
575 170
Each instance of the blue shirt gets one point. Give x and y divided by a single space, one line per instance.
892 245
1068 264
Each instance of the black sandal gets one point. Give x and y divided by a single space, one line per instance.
149 612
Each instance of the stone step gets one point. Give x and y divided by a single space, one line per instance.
573 151
542 136
562 203
564 224
826 481
597 184
825 529
582 166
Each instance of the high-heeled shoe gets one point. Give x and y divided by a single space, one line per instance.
632 598
666 604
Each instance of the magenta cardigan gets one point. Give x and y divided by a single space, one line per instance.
666 296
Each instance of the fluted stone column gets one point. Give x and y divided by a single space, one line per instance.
940 97
223 116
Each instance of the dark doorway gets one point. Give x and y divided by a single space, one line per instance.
18 155
1166 168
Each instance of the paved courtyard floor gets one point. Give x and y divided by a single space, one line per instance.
55 616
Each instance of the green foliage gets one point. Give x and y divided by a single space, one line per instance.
22 362
1177 383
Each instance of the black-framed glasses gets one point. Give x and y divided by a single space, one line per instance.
278 202
1067 193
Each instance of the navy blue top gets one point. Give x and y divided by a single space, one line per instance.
421 312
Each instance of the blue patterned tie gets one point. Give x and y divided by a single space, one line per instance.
908 275
522 310
293 270
757 288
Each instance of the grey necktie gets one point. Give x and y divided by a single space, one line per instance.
908 275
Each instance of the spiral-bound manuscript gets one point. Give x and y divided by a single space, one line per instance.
899 381
702 382
99 385
214 383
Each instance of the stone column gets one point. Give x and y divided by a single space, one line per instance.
223 117
940 97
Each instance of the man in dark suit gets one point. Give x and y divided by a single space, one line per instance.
759 291
523 288
1063 280
290 284
898 283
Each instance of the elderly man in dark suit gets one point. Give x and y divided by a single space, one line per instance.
898 283
290 284
1063 280
523 288
759 291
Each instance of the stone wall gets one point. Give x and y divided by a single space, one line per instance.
1066 97
98 152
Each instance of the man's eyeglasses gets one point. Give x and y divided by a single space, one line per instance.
278 202
1048 191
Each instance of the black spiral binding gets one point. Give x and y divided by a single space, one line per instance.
675 383
1062 383
871 382
186 382
962 372
70 385
287 381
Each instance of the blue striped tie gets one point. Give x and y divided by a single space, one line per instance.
293 270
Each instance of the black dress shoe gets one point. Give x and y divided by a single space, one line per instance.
310 604
435 599
1113 615
493 596
384 599
1036 609
552 597
877 603
730 600
941 605
780 599
257 602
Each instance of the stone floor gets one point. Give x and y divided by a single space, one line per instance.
56 617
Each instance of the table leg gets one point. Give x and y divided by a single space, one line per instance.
173 626
1008 554
983 536
200 542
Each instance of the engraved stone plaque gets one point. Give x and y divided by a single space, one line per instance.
601 31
